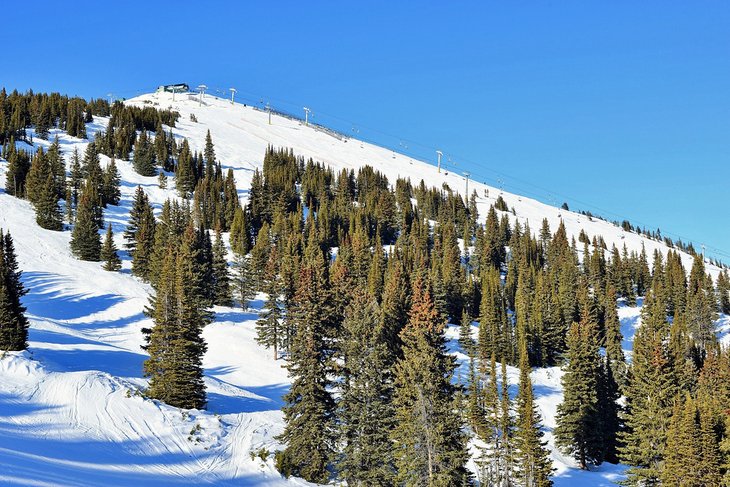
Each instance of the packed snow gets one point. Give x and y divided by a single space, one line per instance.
71 412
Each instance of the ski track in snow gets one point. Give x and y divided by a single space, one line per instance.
70 412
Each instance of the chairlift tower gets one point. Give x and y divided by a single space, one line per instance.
307 111
268 109
201 89
110 98
439 153
233 94
466 194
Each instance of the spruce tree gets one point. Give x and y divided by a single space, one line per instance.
144 156
109 252
141 228
578 431
650 392
140 205
365 411
85 241
269 331
13 323
175 343
47 212
723 292
430 446
532 458
111 182
221 276
309 410
692 456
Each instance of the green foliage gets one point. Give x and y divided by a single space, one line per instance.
109 252
364 410
13 323
85 241
430 447
579 423
175 344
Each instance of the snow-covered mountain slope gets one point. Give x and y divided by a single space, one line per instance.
242 133
70 413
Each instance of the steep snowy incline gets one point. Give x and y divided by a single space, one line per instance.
242 133
70 408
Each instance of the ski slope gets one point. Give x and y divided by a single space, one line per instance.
70 411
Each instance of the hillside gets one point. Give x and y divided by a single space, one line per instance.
70 412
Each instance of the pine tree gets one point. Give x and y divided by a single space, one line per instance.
692 456
184 171
209 151
85 241
532 458
47 212
365 412
221 276
109 252
143 238
139 208
13 323
650 392
111 182
269 331
144 156
17 170
430 447
578 431
175 343
309 411
37 177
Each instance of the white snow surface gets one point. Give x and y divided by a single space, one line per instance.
70 411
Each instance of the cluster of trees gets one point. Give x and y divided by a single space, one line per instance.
43 180
13 323
120 135
372 397
18 111
540 301
373 400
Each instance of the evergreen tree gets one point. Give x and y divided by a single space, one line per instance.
430 447
209 151
269 331
85 241
109 252
723 291
221 277
140 235
175 344
139 208
144 156
692 456
532 458
650 392
13 323
365 412
578 431
185 172
38 175
47 212
111 182
17 170
309 410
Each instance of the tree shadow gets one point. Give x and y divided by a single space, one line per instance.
45 300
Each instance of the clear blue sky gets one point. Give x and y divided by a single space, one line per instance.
621 108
